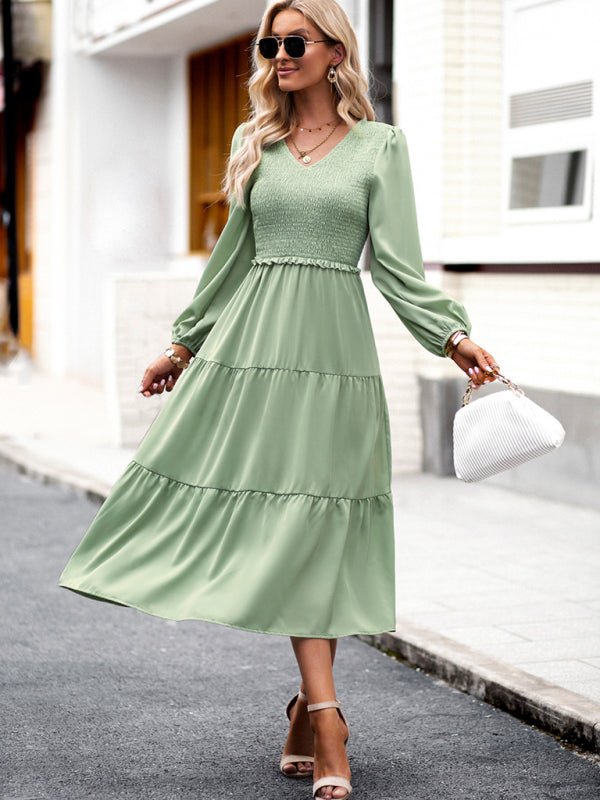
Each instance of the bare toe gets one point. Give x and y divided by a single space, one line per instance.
299 740
329 793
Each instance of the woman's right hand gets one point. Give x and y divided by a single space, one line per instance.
479 365
162 374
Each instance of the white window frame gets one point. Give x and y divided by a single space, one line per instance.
540 140
544 139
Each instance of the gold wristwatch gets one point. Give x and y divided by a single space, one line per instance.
177 360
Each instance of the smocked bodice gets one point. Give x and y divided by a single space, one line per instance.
316 212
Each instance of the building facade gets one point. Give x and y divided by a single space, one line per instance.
499 103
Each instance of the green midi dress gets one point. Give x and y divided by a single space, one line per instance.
260 496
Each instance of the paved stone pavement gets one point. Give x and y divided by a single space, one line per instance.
513 576
104 702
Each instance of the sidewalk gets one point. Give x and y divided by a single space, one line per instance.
497 592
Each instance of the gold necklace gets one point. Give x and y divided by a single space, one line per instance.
303 154
315 128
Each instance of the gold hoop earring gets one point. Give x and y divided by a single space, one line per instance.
332 74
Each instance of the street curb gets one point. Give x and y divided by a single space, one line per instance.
560 712
51 472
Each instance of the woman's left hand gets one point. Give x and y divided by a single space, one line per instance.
475 361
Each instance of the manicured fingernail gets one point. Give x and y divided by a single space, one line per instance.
488 368
162 383
470 370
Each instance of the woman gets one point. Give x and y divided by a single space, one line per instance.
260 496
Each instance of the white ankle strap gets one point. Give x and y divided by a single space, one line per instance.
324 704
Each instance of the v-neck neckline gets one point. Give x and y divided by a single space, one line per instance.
326 156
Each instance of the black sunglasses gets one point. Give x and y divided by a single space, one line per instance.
295 46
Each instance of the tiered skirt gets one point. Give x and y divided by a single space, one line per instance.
260 495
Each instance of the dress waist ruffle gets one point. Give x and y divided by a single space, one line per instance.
325 263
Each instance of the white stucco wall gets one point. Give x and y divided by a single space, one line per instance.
111 176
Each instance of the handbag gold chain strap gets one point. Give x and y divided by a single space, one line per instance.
502 378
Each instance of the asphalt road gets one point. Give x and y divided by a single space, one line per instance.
101 701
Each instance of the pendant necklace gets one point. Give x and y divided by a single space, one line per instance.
303 154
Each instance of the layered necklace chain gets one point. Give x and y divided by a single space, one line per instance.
304 154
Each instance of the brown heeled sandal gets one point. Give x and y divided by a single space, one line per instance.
292 758
331 780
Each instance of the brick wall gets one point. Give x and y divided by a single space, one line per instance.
398 358
472 131
543 329
139 310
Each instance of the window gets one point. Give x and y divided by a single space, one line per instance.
551 179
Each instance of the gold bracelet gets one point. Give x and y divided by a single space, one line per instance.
456 337
177 360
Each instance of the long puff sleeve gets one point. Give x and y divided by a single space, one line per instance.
227 266
396 263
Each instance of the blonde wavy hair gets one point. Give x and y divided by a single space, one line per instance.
273 114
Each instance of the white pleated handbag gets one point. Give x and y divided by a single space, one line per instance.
501 431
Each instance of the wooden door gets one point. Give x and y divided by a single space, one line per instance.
218 103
